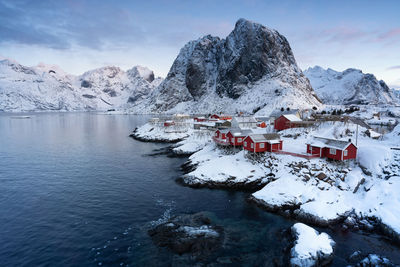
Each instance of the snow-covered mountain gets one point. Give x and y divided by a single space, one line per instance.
396 94
253 69
47 87
351 86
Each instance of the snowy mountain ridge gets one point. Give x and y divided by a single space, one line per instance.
351 86
48 87
252 70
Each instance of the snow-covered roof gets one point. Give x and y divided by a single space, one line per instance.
240 132
330 143
291 117
223 130
245 119
265 137
278 113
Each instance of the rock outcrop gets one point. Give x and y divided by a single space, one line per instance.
192 234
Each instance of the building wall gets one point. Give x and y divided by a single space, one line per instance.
281 123
351 152
314 150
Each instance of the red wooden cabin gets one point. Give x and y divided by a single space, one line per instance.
236 136
200 119
286 122
220 137
221 117
169 123
332 148
263 142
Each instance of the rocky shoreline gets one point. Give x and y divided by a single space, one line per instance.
141 138
347 221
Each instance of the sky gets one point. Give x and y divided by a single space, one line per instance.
79 35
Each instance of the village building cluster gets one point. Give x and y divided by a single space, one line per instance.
261 134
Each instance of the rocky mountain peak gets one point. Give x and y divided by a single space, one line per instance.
210 67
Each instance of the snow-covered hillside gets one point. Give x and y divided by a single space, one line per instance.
252 70
47 87
351 86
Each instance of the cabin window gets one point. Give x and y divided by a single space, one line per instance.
252 145
332 151
216 134
245 143
239 140
262 145
345 153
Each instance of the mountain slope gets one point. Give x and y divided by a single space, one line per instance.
47 87
348 87
253 69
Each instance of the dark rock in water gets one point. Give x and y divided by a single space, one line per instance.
192 234
368 260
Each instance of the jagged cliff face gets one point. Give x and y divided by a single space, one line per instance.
47 87
349 87
252 69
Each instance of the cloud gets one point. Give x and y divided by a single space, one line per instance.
397 67
59 24
390 34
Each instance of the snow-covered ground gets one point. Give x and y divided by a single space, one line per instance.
311 248
157 132
316 190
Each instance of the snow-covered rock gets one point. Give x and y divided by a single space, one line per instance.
351 86
253 69
156 132
311 248
48 87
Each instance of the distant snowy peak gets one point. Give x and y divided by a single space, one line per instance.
144 72
351 86
253 69
48 87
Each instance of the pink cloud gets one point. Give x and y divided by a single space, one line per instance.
393 33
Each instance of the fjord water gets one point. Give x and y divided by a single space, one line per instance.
75 190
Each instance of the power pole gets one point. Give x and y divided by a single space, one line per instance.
357 135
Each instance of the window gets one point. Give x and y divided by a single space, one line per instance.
245 143
216 134
239 140
332 151
252 145
345 153
262 145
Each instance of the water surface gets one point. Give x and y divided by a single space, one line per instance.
76 190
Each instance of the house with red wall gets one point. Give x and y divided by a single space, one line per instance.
221 117
200 119
220 137
236 136
263 142
332 148
286 121
169 123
